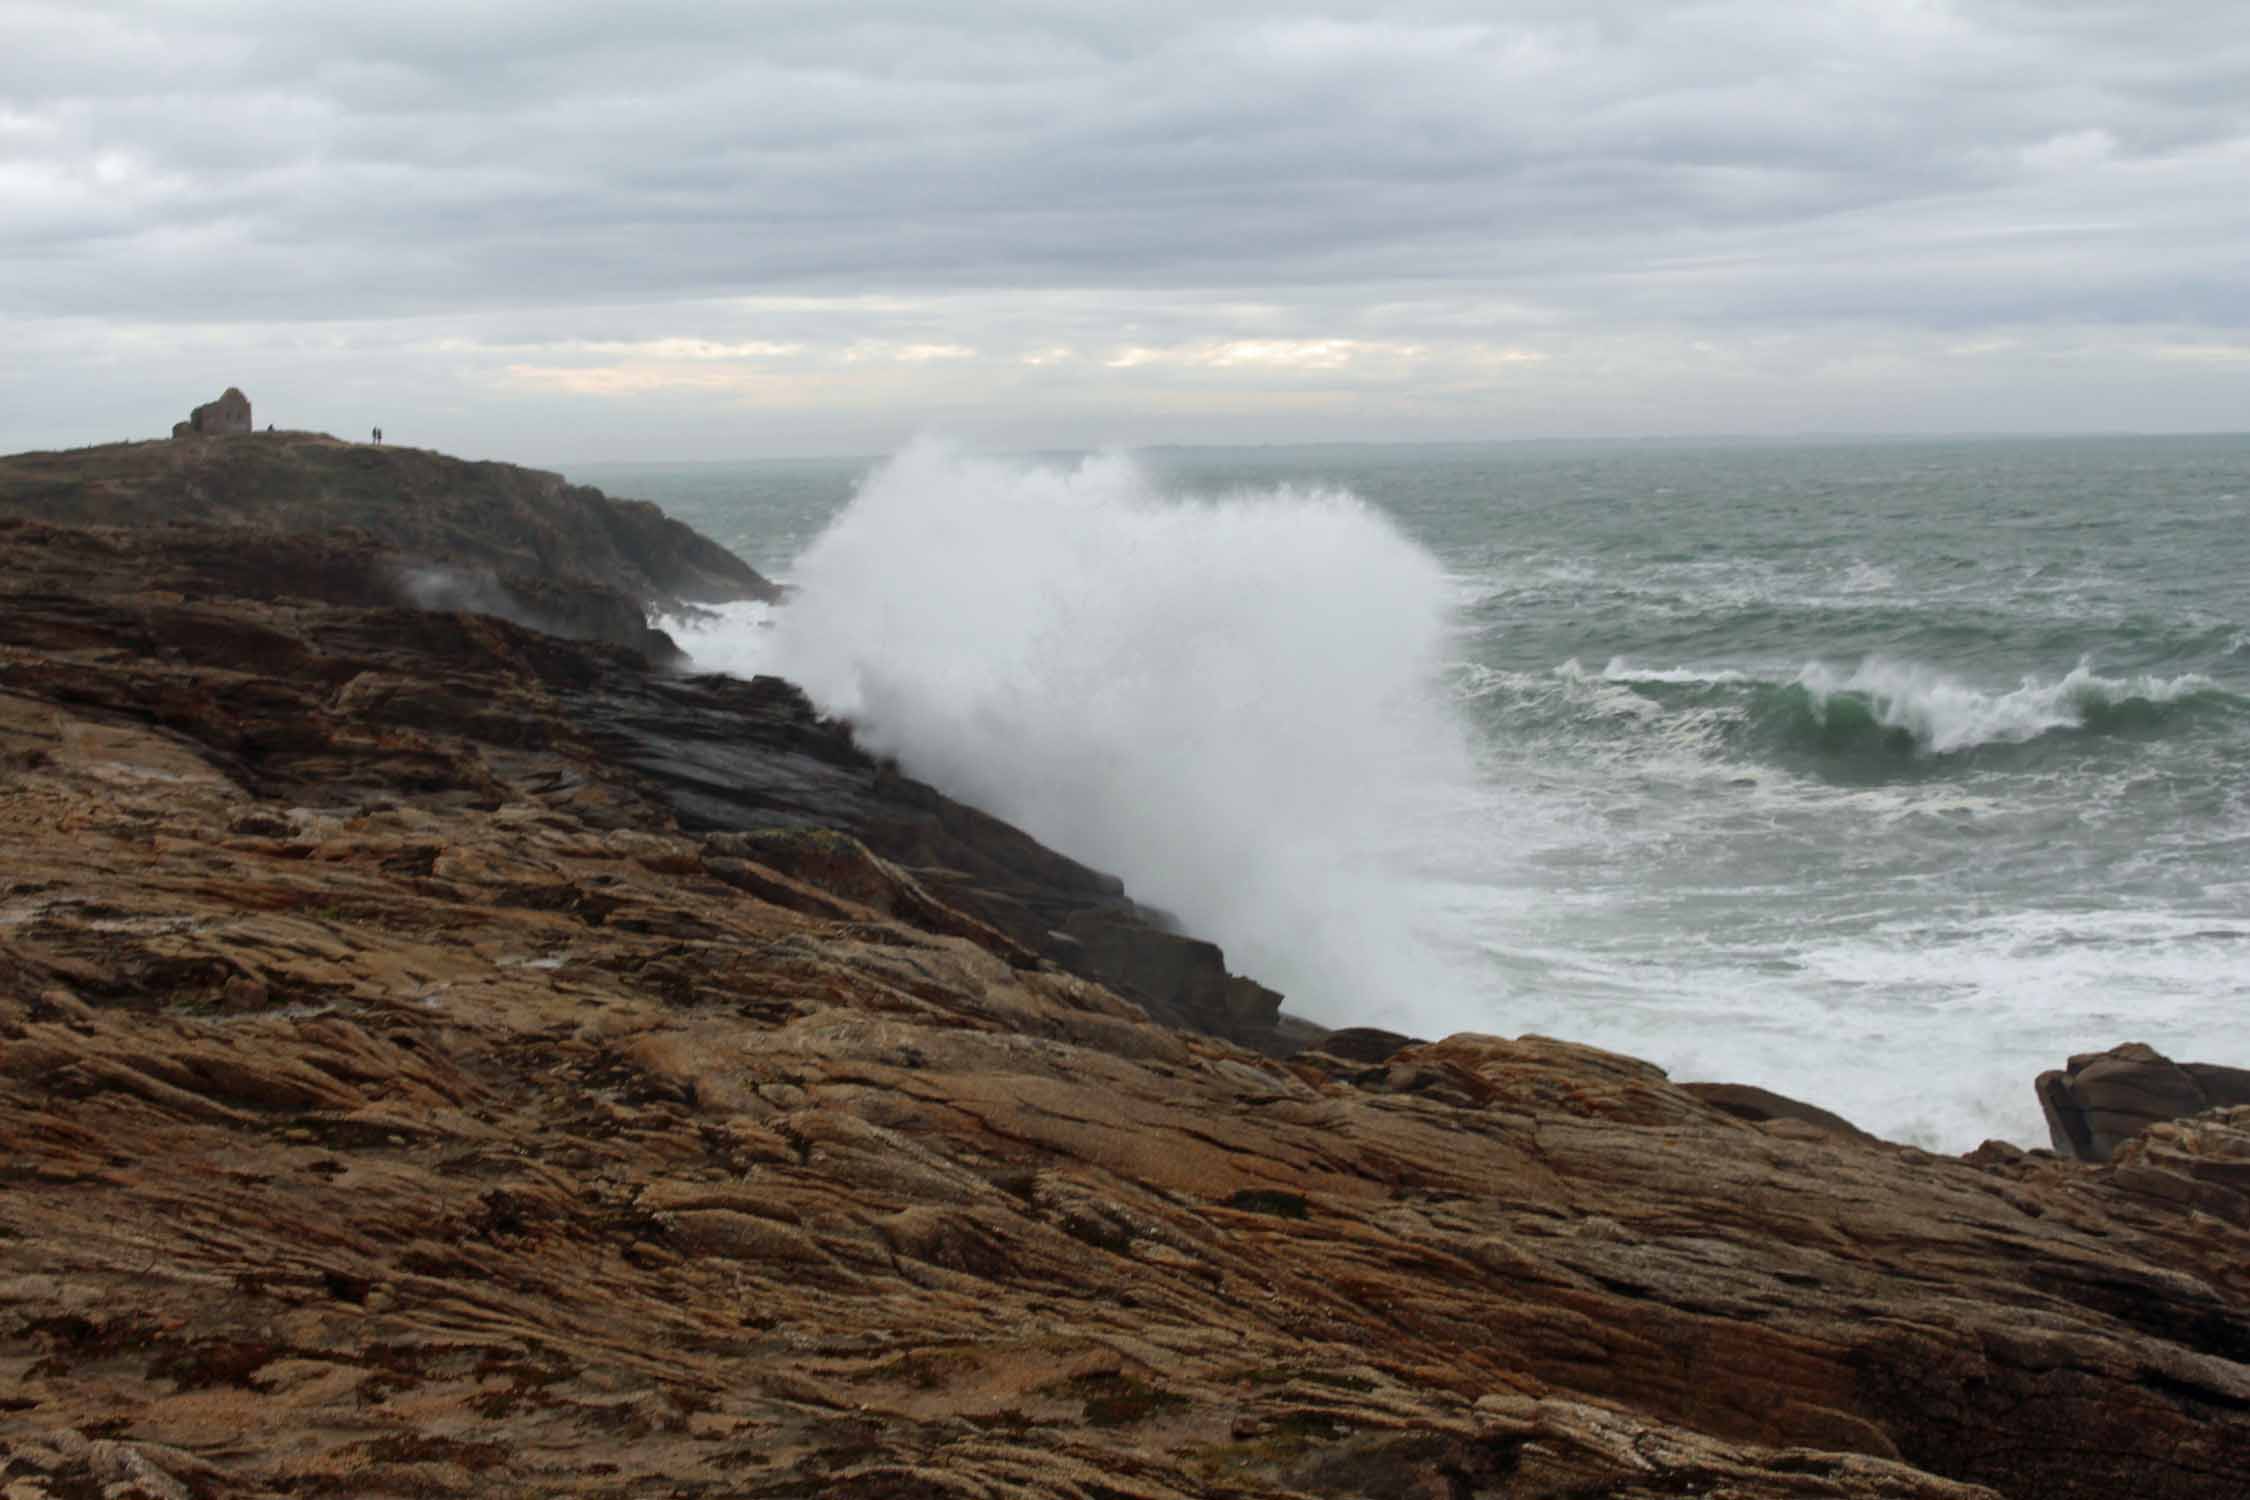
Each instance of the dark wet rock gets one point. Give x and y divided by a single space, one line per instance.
1749 1102
1182 980
175 569
1363 1044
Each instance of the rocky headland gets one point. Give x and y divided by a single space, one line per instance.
457 534
446 1051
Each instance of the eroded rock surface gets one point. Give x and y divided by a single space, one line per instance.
434 1060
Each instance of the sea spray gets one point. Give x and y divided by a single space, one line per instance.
1229 701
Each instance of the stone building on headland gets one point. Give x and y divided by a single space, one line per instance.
230 413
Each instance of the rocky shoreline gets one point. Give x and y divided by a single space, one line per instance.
440 1056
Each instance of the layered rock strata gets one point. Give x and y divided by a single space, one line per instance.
430 1064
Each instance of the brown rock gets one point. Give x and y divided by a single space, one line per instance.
2200 1162
2103 1098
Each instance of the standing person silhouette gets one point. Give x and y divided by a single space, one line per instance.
378 437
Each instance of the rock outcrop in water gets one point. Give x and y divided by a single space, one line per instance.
440 1058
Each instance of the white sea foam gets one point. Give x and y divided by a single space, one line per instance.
1230 702
1621 670
1864 577
1920 1031
735 638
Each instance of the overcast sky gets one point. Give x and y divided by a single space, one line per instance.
552 231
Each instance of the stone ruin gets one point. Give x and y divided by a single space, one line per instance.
230 413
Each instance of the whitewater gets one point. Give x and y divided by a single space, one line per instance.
1884 776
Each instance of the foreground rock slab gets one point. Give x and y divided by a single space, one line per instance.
412 1084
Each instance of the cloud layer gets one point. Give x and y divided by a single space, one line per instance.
560 230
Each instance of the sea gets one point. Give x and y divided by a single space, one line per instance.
1882 774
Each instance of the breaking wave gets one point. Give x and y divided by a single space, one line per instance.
1878 720
1907 708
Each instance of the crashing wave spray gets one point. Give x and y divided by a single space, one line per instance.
1229 702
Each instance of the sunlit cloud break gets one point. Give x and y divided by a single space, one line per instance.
906 354
682 348
1276 354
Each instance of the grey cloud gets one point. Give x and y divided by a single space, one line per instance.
1605 166
778 144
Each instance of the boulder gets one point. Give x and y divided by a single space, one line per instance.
229 414
2101 1099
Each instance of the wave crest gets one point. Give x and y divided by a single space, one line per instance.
1920 708
1876 720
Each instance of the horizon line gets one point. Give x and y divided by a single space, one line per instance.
1684 440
